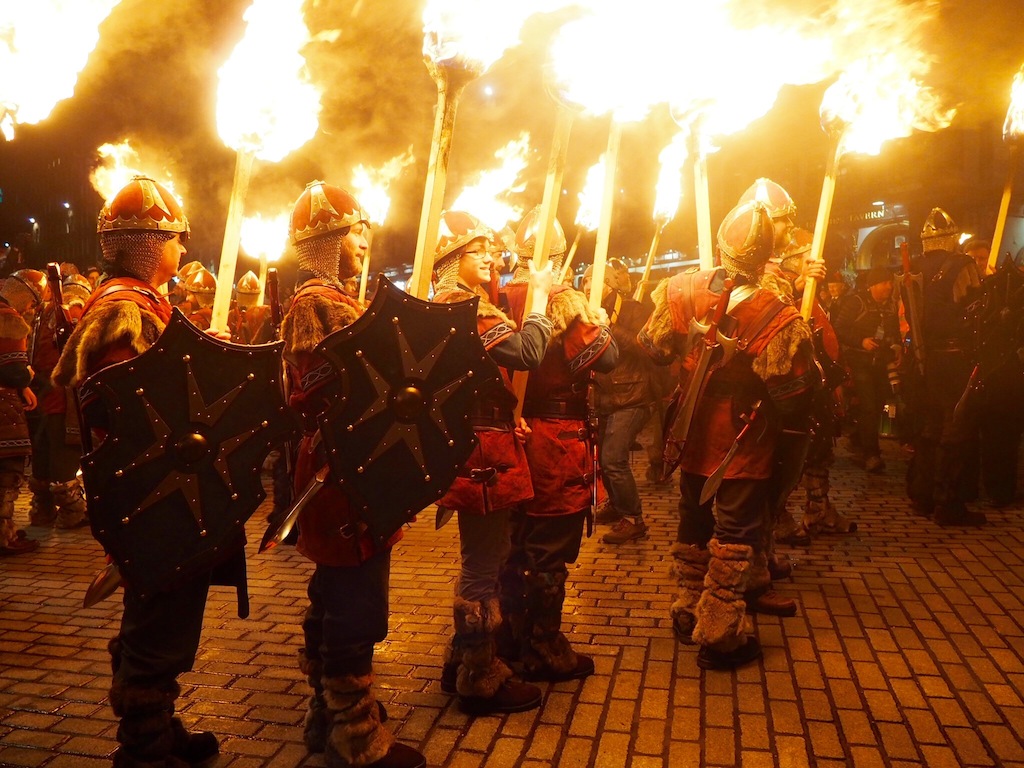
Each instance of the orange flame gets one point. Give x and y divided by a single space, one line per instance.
265 237
370 185
1014 125
669 190
118 163
877 99
588 215
44 44
265 102
487 197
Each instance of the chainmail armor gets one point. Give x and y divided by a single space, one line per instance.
522 272
133 252
321 256
749 269
447 272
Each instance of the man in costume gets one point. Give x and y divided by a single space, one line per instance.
496 478
951 285
142 232
20 298
766 381
348 591
547 531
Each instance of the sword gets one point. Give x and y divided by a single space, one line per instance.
912 288
712 483
444 514
103 585
714 346
278 531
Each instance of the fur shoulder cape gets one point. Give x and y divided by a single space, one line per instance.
311 318
12 325
564 307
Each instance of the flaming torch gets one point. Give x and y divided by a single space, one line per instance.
39 59
461 40
267 121
371 188
484 198
872 101
1012 130
265 238
588 215
666 202
118 163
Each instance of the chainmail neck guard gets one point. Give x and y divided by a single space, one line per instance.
522 272
447 272
750 270
133 253
321 256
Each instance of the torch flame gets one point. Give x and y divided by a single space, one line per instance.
44 44
118 163
370 185
877 99
265 103
1014 125
670 179
588 215
485 198
265 237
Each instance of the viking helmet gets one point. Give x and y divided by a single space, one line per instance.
320 218
526 237
774 197
792 257
203 285
134 225
247 290
940 232
76 289
24 289
746 238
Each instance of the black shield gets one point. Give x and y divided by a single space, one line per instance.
188 424
398 432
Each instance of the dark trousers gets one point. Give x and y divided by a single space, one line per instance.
347 614
741 507
53 459
159 635
545 544
871 383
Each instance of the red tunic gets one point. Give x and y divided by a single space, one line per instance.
557 450
14 437
330 531
732 388
497 475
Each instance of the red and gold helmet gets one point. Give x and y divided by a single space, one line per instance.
186 271
25 289
458 229
203 285
526 236
796 250
772 195
247 289
76 289
143 204
940 232
746 239
324 208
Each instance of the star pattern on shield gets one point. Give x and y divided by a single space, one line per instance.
413 368
199 412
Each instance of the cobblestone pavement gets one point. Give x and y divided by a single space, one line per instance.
907 651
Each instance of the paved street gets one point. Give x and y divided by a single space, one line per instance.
908 651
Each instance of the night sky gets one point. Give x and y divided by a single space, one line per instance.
152 80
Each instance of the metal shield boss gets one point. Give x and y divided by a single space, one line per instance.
399 431
187 425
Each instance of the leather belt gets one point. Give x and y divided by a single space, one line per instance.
555 409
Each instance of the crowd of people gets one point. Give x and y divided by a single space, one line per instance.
745 397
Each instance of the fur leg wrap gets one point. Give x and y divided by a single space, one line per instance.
759 580
481 672
357 734
689 566
316 723
145 732
70 500
721 610
42 511
546 646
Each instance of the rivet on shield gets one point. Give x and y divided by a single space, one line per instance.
426 478
264 424
202 532
470 374
234 497
251 376
349 428
360 470
451 330
394 320
186 358
451 443
359 353
119 473
177 568
139 391
124 520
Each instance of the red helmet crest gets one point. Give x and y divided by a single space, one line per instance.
526 236
746 238
772 195
143 204
457 229
323 208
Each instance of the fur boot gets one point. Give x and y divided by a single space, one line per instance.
689 566
721 610
820 516
41 511
317 721
483 680
760 595
547 654
150 735
70 500
356 736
